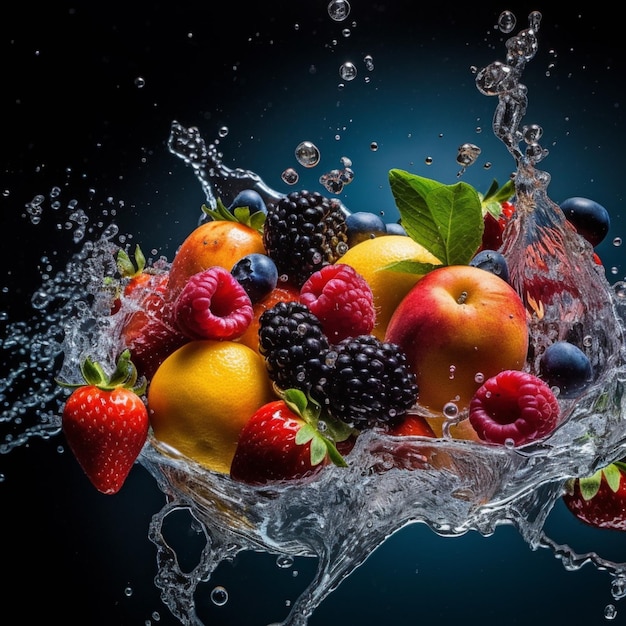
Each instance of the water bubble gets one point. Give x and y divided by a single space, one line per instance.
140 82
290 176
219 596
467 154
307 154
507 22
339 10
369 62
348 71
373 146
128 591
222 132
479 377
428 160
532 133
452 371
284 561
450 410
610 612
617 242
346 32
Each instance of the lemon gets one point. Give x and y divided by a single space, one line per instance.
201 396
389 287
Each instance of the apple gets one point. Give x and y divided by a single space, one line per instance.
458 326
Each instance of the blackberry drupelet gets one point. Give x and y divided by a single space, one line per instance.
293 345
370 383
303 232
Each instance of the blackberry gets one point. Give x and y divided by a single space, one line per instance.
370 383
303 232
293 345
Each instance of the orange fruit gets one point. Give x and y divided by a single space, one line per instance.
370 257
460 430
201 396
281 293
218 242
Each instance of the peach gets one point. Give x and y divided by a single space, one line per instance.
459 325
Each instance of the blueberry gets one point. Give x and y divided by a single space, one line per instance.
363 225
249 198
492 261
567 367
395 228
257 274
590 219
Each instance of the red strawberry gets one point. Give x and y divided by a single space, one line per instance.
283 441
412 425
600 500
105 422
145 327
494 226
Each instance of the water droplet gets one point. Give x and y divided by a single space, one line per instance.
467 154
617 242
373 146
284 561
479 377
290 176
219 596
451 371
307 154
128 591
428 160
140 82
339 10
369 62
450 410
222 132
346 32
610 612
506 21
348 71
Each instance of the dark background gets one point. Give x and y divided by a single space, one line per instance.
74 116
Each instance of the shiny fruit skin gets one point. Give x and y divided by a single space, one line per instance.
202 395
218 242
457 324
370 257
590 219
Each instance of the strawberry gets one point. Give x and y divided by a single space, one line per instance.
146 328
283 440
105 422
599 500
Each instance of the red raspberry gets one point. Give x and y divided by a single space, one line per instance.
213 305
513 406
342 301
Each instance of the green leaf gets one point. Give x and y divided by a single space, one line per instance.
590 485
305 434
613 476
297 401
446 219
318 450
411 267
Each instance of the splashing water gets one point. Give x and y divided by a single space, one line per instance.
454 486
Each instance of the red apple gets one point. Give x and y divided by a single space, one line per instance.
459 325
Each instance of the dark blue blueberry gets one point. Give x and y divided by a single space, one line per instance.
590 219
363 225
257 274
492 261
248 198
567 367
395 228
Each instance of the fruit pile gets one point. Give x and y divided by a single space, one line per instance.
279 332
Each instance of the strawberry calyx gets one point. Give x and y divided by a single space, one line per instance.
241 215
322 430
613 473
124 375
125 265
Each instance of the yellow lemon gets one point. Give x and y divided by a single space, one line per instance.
389 287
201 396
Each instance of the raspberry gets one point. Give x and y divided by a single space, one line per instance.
213 305
342 301
513 406
294 346
369 384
